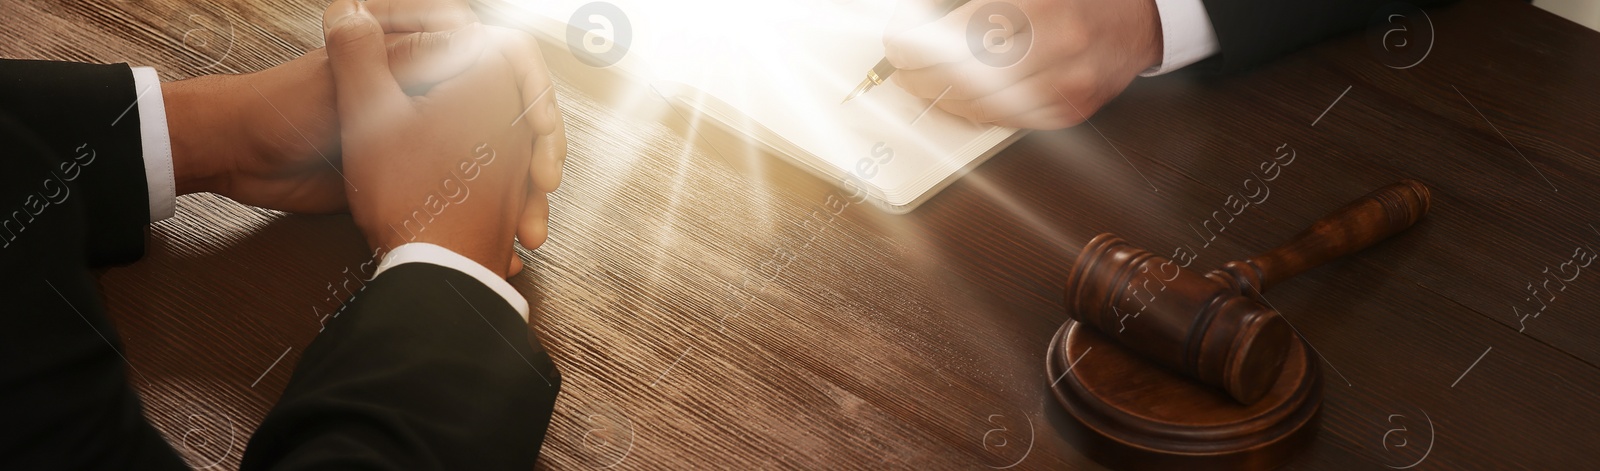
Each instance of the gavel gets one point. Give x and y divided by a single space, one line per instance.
1216 328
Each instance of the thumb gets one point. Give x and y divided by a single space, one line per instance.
360 62
420 60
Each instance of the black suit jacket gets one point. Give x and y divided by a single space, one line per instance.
1252 32
426 368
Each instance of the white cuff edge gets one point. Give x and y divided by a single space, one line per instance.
422 252
1187 36
156 144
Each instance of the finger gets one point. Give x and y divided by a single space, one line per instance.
1048 118
1040 90
541 112
550 158
365 88
419 60
516 264
534 228
1075 101
409 16
521 50
937 82
954 81
971 79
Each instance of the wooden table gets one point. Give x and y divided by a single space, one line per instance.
706 315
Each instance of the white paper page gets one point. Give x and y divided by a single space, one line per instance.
785 65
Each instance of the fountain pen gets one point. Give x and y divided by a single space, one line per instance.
875 77
880 72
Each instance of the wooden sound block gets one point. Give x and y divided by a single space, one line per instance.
1132 414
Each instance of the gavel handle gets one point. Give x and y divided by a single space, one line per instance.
1350 229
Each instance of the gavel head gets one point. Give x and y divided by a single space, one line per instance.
1200 325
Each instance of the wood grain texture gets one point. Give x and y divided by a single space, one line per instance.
708 316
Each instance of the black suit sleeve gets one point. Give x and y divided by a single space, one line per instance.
1252 32
73 195
64 392
425 369
85 114
428 369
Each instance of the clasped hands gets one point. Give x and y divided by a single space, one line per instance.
425 125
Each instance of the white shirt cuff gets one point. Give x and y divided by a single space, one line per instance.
1186 35
156 143
422 252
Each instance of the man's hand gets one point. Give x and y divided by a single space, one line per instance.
449 167
1080 55
537 95
271 138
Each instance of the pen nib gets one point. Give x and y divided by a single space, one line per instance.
866 84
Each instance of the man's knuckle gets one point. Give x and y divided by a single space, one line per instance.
433 41
406 50
1070 87
983 110
352 31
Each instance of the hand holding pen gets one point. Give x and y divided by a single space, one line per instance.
1040 64
907 14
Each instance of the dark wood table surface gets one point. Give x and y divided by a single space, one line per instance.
707 310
